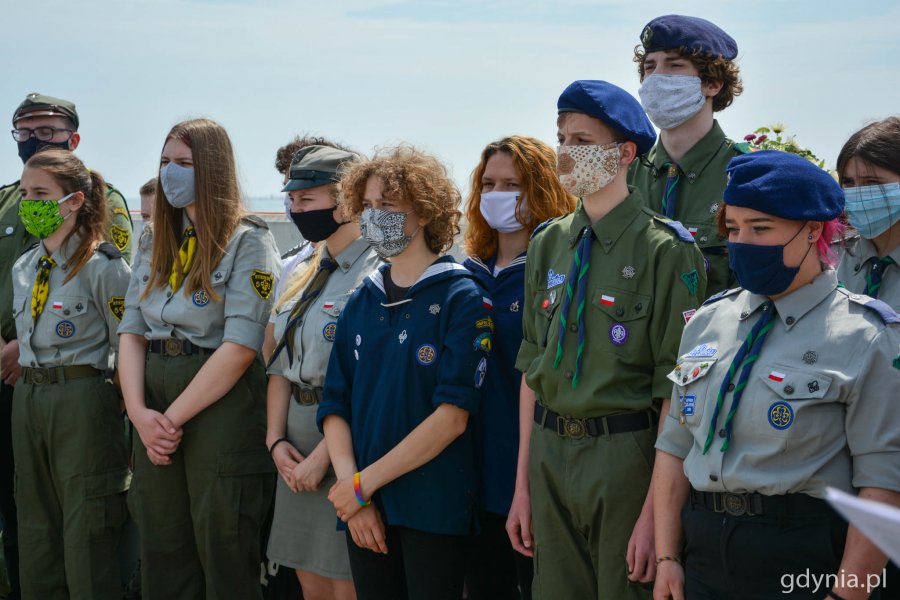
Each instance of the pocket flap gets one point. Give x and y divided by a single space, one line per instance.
689 370
108 483
333 306
704 233
66 307
248 462
792 383
621 306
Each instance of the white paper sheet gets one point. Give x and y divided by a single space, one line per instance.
877 521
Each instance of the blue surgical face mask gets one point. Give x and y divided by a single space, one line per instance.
873 209
178 184
761 269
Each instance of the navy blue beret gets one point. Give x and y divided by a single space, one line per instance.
783 185
614 106
672 32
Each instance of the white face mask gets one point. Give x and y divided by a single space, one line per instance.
670 100
584 170
499 210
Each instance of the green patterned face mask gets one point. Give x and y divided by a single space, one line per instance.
41 217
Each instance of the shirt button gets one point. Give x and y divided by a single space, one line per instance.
619 312
788 389
407 315
168 294
9 230
638 307
573 327
569 374
381 318
66 312
730 387
789 320
721 433
31 330
607 242
856 268
345 265
713 477
146 277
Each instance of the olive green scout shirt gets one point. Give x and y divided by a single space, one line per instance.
79 321
699 195
315 333
644 282
854 270
244 280
820 406
14 240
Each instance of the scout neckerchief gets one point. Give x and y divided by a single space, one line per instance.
578 274
185 258
41 288
670 194
746 355
312 291
877 267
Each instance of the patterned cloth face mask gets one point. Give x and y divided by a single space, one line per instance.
42 217
584 170
384 231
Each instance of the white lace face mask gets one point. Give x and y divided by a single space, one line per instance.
384 231
584 170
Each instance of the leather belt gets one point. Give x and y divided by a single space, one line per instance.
755 504
595 426
306 395
51 375
176 347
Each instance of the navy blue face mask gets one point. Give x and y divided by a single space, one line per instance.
29 147
761 269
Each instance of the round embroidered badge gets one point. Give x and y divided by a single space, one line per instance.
618 334
329 330
65 329
200 298
426 354
781 415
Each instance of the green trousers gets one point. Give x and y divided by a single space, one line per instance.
200 517
71 475
586 496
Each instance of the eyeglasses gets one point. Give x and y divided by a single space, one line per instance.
43 134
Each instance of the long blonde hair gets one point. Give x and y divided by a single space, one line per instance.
218 208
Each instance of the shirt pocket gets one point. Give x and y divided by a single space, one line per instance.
330 309
623 318
795 403
694 384
65 317
546 304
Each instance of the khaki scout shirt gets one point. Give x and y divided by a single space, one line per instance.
14 239
79 321
643 284
699 195
315 333
244 280
853 271
820 406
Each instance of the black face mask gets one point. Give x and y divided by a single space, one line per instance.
29 147
316 225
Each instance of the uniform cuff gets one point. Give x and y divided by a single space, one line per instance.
878 470
528 352
244 332
662 385
132 322
466 398
327 409
675 439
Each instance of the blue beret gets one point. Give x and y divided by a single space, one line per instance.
614 106
783 185
672 32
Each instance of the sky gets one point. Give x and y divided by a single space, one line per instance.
448 76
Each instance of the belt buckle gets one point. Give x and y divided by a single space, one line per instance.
574 428
307 397
736 504
38 376
173 347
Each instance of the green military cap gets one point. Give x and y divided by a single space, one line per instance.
317 165
39 105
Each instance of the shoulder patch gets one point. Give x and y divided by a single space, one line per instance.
683 234
109 250
716 297
255 221
542 226
743 148
884 311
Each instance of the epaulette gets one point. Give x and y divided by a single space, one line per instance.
14 184
720 295
295 250
683 234
255 221
744 147
31 247
884 311
542 226
109 250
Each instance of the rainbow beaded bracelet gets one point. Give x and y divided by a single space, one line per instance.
357 489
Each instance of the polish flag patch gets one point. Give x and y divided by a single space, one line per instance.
486 302
776 376
328 305
57 304
607 300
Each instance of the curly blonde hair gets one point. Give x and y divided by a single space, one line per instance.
543 195
413 176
